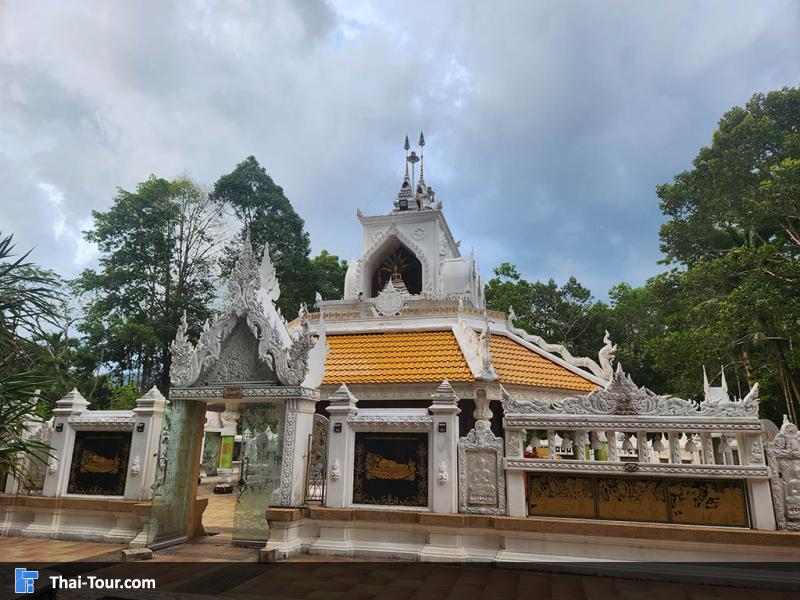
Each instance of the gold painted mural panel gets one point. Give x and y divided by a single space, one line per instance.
632 499
561 496
708 503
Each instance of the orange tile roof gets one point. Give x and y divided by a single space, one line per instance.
517 364
413 356
431 356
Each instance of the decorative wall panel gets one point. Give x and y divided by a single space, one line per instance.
652 500
99 463
708 503
391 469
561 496
632 499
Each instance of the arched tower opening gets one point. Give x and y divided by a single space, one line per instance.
398 264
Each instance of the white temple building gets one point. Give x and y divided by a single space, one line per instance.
414 314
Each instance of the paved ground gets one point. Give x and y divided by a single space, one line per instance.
17 549
218 516
231 572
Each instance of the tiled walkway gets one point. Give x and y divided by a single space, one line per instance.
19 549
231 572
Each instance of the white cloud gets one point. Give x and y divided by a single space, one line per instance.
541 118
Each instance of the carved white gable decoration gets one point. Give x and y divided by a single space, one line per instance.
623 397
252 292
783 455
390 301
606 355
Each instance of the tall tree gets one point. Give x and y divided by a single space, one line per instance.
266 214
734 226
158 248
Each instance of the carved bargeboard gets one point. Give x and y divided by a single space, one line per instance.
652 500
99 463
391 469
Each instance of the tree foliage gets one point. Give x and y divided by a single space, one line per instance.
565 315
158 246
732 238
265 213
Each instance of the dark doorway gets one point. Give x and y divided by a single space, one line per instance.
401 266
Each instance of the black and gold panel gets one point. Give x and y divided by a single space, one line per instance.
708 503
99 463
632 499
391 469
652 500
561 496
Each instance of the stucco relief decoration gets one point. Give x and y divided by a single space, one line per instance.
442 477
605 357
481 480
390 301
252 292
783 455
377 236
336 470
418 233
621 396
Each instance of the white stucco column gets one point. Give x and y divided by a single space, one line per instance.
55 481
299 424
341 446
762 512
515 480
148 418
444 463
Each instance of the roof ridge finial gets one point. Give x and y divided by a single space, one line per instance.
406 147
421 157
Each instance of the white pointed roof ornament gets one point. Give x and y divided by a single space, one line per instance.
723 384
706 385
268 279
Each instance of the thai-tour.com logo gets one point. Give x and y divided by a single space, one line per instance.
24 582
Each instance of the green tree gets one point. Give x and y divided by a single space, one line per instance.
567 315
158 249
328 273
263 210
733 227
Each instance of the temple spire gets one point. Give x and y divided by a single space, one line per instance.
421 157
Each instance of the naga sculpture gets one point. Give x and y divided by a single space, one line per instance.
606 355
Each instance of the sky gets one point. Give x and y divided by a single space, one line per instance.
548 124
